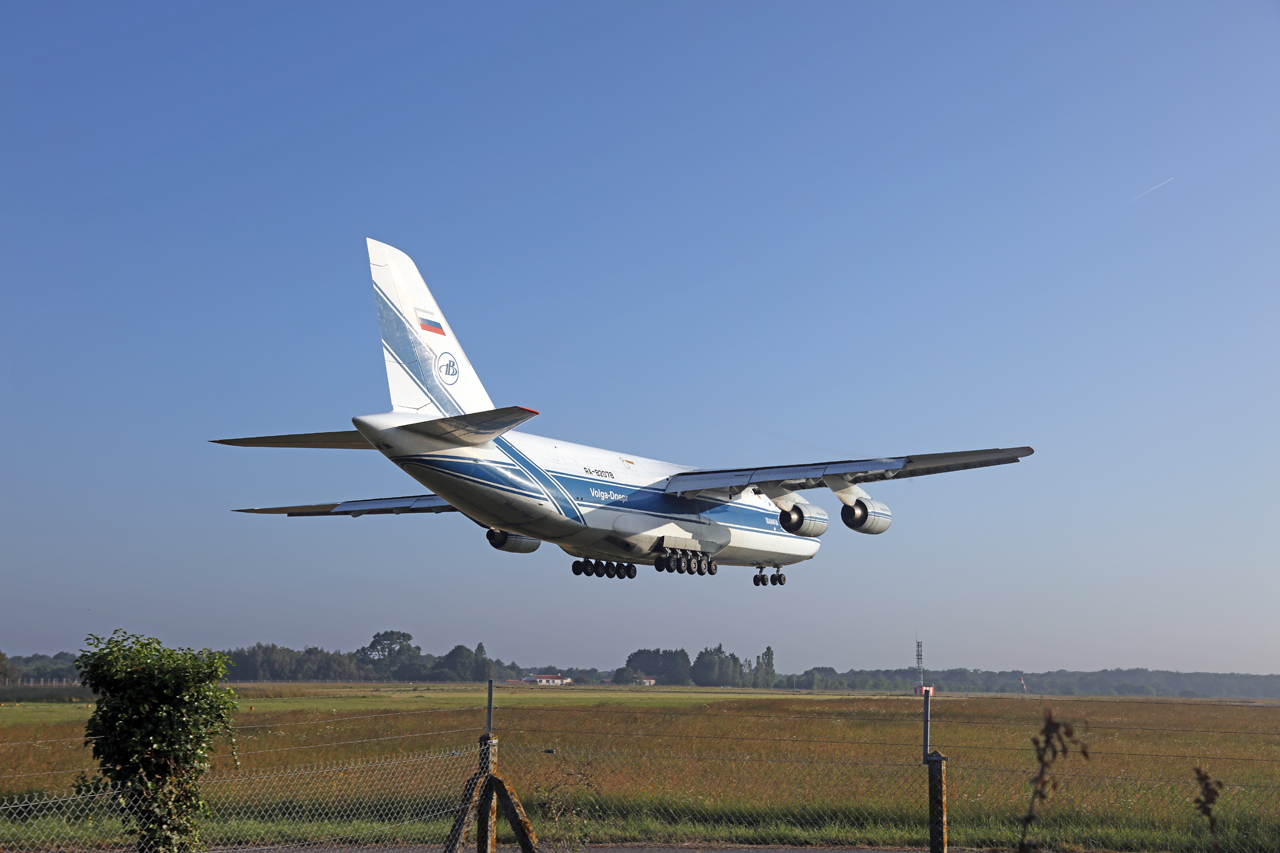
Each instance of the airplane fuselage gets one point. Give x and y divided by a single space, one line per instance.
593 503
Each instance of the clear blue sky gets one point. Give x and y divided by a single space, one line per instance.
721 234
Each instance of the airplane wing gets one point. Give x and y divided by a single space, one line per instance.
355 509
796 477
347 439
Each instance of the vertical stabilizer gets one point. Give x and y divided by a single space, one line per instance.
426 368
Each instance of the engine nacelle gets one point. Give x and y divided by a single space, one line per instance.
866 516
804 520
513 542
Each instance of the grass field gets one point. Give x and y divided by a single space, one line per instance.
731 766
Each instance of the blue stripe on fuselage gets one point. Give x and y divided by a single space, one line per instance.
575 491
507 478
561 498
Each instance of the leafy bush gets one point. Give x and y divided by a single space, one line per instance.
158 713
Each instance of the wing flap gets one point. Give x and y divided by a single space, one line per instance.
797 477
347 439
355 509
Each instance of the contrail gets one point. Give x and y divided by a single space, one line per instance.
1140 195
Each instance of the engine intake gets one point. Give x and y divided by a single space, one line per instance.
512 542
866 516
804 520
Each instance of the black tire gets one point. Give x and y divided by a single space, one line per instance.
682 564
755 580
577 567
702 566
631 570
712 567
660 563
609 570
621 571
773 579
599 571
782 579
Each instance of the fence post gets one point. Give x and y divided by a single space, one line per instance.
937 803
487 819
937 764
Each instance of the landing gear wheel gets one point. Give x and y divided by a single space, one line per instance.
610 571
660 563
682 564
621 570
755 580
773 579
577 567
599 570
702 565
631 570
712 567
782 579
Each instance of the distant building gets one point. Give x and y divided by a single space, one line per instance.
546 680
648 682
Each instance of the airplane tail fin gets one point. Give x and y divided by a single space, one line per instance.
427 370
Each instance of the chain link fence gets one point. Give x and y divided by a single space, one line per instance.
612 797
401 801
578 795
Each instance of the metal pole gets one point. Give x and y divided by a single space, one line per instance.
488 725
927 696
937 764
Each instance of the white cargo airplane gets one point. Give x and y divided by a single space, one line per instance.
611 510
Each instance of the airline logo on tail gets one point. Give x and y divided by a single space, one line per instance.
447 367
427 324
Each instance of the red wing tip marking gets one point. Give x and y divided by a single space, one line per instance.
527 409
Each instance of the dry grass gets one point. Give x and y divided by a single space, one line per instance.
282 725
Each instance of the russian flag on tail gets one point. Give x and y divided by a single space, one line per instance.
427 324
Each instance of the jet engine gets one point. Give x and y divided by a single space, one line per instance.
866 516
513 542
804 520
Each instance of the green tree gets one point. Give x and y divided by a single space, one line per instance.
158 712
7 668
668 666
389 650
457 665
626 675
764 676
718 668
482 667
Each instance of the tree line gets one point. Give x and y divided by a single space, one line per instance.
392 656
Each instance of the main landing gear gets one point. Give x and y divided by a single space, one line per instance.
596 568
686 563
775 579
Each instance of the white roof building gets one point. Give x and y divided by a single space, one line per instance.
547 680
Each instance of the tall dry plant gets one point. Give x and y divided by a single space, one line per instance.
1210 788
1052 743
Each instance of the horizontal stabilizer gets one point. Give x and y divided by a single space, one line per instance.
347 439
376 506
473 429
